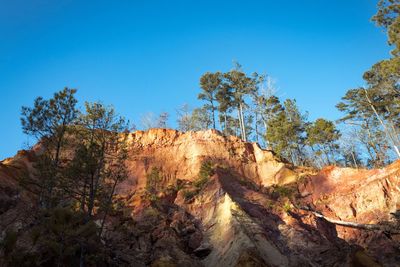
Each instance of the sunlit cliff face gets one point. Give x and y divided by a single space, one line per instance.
237 218
179 156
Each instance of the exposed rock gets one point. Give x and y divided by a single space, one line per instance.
236 218
179 156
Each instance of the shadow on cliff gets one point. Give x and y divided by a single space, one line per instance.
250 198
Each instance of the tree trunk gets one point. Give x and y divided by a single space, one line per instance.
392 229
225 122
55 166
354 159
213 114
396 149
333 154
109 202
256 127
242 121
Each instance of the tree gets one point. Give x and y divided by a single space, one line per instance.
296 124
196 120
286 130
380 98
241 86
162 121
149 120
48 121
367 107
184 118
388 18
82 162
350 150
261 108
99 161
210 83
224 98
200 119
323 135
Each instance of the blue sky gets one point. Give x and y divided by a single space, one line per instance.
147 56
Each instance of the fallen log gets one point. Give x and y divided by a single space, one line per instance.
387 227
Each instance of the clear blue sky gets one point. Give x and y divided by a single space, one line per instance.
148 55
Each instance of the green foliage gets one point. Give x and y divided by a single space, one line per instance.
286 206
323 135
206 170
210 84
225 93
49 121
388 18
374 110
49 118
322 132
283 191
57 237
82 163
189 194
179 185
286 130
62 232
154 177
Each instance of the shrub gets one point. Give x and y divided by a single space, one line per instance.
286 206
153 180
179 184
205 172
189 194
283 191
200 183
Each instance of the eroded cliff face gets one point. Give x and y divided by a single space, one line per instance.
363 197
253 210
179 156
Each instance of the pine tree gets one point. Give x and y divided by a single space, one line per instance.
102 153
379 100
224 98
210 83
323 136
49 122
241 86
286 130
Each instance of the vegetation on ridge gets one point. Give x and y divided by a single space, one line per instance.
85 150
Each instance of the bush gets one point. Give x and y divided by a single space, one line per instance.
189 194
286 206
205 172
200 183
283 191
153 180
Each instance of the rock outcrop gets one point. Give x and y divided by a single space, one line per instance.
253 210
179 156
